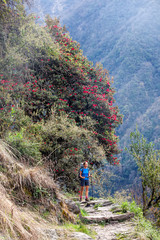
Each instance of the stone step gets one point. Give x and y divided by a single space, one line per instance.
99 210
101 203
117 210
108 219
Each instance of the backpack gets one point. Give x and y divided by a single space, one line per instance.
79 172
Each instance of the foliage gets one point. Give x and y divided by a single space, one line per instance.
83 212
59 107
26 147
144 229
127 54
80 228
133 207
104 30
148 161
66 145
21 133
10 10
97 205
124 207
120 197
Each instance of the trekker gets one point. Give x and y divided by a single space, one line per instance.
84 175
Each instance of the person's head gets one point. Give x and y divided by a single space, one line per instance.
85 164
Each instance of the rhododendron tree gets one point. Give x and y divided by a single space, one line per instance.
49 76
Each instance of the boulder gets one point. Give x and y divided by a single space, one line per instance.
72 206
51 234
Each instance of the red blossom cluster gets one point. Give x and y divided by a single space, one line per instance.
75 86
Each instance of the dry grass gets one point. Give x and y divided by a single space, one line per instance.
16 223
22 177
21 223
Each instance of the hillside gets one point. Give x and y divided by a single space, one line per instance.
124 36
57 110
34 207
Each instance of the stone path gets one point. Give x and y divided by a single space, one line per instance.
103 213
103 218
110 231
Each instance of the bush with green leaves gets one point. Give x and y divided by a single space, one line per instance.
124 207
23 145
67 145
22 134
144 229
148 162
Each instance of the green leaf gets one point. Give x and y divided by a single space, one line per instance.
4 1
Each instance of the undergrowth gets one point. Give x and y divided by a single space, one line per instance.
80 227
83 212
144 229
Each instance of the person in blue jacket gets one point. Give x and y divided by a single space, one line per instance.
84 175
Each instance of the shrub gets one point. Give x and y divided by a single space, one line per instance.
133 207
124 207
26 147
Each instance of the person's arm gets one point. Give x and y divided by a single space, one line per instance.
81 175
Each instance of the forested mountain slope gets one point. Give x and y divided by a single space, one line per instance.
124 35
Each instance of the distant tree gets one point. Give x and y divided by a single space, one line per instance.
148 162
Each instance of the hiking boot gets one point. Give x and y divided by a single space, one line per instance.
87 199
80 199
